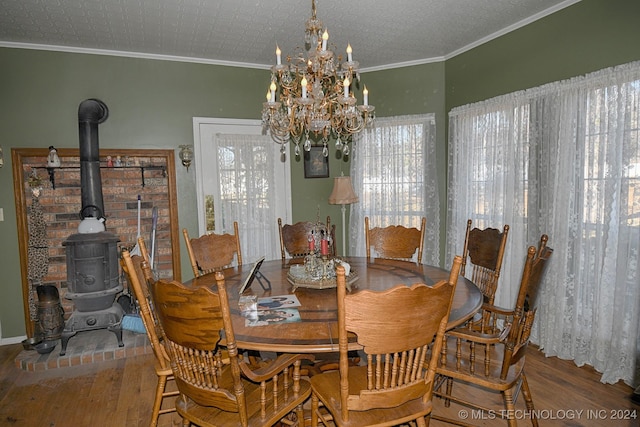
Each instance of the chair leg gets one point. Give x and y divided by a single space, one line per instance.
314 410
300 416
449 390
528 399
157 403
510 408
420 422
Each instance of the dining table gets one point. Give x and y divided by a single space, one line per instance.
316 330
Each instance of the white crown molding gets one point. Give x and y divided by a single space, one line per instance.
513 27
159 57
403 64
138 55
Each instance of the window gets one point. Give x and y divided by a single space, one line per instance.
561 159
393 172
605 129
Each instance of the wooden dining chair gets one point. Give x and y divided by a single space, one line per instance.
484 251
400 331
494 359
217 394
134 267
213 252
294 238
395 241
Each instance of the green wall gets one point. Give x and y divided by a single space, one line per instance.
152 104
582 38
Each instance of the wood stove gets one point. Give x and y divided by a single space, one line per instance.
92 285
92 253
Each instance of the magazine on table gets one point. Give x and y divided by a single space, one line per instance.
277 302
269 310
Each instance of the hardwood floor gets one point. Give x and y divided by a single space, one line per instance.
120 393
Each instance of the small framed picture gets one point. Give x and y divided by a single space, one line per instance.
316 165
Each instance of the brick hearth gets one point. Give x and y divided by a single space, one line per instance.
85 348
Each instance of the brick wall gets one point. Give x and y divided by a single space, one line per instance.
120 187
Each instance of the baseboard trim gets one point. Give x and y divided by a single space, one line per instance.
12 340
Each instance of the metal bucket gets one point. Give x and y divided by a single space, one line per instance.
50 312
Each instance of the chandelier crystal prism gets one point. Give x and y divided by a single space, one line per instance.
311 95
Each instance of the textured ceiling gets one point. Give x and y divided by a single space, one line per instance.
383 33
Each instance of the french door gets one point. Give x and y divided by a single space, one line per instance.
241 176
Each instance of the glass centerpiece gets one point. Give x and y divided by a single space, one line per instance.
319 268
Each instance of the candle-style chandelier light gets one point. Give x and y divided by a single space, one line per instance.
310 95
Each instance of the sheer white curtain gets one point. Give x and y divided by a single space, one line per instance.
394 174
248 193
488 181
562 159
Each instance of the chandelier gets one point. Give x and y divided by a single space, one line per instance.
311 94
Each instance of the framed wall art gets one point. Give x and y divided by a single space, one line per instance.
316 165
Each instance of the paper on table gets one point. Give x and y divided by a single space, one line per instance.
278 301
269 310
270 317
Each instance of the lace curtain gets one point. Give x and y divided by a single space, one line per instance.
246 179
562 159
393 170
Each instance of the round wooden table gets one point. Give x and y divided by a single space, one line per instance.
317 331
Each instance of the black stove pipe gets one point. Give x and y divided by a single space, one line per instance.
91 112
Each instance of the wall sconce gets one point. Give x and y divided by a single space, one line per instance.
1 157
186 155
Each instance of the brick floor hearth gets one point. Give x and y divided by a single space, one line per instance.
85 348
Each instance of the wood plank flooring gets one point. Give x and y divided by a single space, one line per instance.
120 393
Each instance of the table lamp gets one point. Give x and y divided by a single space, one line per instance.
343 194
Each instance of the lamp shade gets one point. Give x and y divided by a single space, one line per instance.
343 193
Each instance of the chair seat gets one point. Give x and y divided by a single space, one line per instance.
401 346
327 387
211 416
495 361
493 380
213 393
163 371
